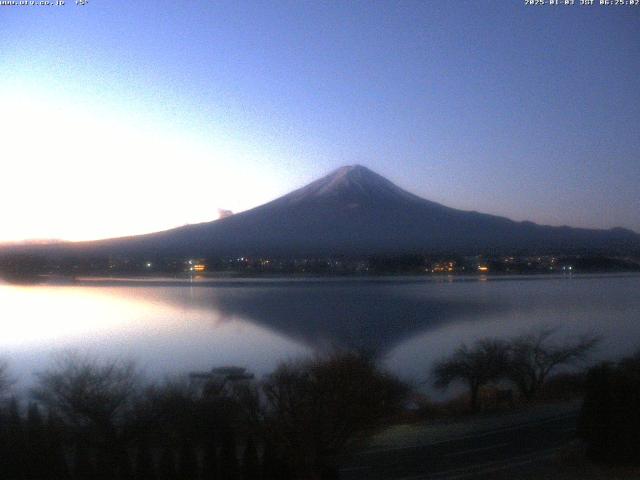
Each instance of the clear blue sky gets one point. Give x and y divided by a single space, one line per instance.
123 117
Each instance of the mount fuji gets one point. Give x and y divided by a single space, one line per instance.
354 211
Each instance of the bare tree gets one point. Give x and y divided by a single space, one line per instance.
476 366
316 408
533 356
87 392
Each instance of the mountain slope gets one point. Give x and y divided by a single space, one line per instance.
356 211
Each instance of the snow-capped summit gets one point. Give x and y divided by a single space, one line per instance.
351 183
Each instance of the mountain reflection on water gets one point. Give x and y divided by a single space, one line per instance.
368 315
172 326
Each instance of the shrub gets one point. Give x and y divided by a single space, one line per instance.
610 417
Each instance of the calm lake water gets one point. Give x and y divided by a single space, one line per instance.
171 327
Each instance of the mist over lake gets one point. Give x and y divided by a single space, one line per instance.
171 327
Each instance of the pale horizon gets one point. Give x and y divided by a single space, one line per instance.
129 124
222 213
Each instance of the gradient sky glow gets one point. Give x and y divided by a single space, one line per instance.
127 117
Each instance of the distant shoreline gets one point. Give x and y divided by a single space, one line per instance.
300 279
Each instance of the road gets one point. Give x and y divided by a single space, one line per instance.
478 455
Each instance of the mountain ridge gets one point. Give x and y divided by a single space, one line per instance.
355 211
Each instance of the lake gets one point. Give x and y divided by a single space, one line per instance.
171 326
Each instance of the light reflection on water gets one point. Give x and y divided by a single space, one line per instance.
164 338
173 327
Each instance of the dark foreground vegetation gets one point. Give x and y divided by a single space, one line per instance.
524 364
499 373
89 419
610 417
98 420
